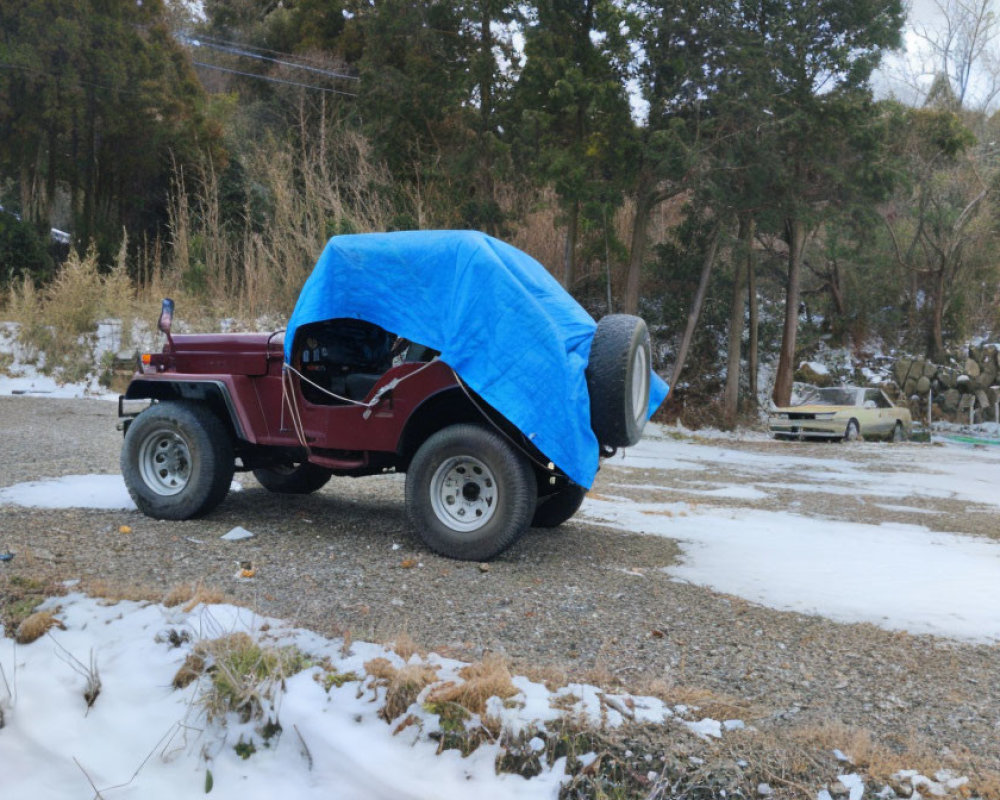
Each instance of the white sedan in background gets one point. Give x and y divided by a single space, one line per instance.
842 412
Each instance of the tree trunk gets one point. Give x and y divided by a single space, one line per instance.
696 303
786 360
732 394
569 252
89 169
24 184
48 202
486 185
935 339
644 202
752 348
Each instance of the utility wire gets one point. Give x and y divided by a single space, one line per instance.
273 80
257 48
78 82
200 42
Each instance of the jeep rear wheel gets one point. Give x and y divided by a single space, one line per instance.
469 493
304 478
554 509
177 461
618 380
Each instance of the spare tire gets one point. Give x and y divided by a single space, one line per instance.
618 380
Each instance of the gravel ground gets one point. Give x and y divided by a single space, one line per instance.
582 601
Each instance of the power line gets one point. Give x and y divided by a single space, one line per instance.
243 46
273 80
204 42
74 82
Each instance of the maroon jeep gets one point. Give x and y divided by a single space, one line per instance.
354 400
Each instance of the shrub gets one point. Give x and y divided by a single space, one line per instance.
60 321
23 251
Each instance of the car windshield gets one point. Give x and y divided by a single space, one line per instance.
828 397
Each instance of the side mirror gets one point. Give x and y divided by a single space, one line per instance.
166 316
166 319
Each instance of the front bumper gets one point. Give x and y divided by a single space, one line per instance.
806 428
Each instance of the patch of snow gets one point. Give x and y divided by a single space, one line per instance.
237 534
816 366
71 491
22 378
151 741
106 492
846 571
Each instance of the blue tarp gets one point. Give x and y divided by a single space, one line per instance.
499 319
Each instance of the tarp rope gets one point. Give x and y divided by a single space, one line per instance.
290 401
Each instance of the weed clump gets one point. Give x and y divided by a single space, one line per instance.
481 681
243 675
402 684
36 625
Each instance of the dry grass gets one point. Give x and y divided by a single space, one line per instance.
882 759
716 705
402 684
192 669
21 595
798 760
111 592
404 647
216 267
551 676
60 321
190 595
488 678
37 625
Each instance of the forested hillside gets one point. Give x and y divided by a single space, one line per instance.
722 168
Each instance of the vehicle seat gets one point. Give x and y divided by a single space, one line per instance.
359 384
343 356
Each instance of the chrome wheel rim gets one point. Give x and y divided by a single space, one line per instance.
165 462
464 493
640 385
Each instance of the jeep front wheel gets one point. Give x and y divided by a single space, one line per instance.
469 493
177 461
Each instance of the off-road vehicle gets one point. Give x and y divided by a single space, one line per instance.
449 356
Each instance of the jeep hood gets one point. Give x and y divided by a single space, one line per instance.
496 315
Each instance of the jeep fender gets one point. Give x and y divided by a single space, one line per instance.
232 398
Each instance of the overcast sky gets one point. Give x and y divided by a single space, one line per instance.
914 66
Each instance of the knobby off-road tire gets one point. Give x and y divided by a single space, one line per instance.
469 493
304 478
177 460
618 380
554 509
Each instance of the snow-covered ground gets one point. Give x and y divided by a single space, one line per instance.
898 575
22 377
142 738
151 741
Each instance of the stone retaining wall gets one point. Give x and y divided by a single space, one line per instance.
971 380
